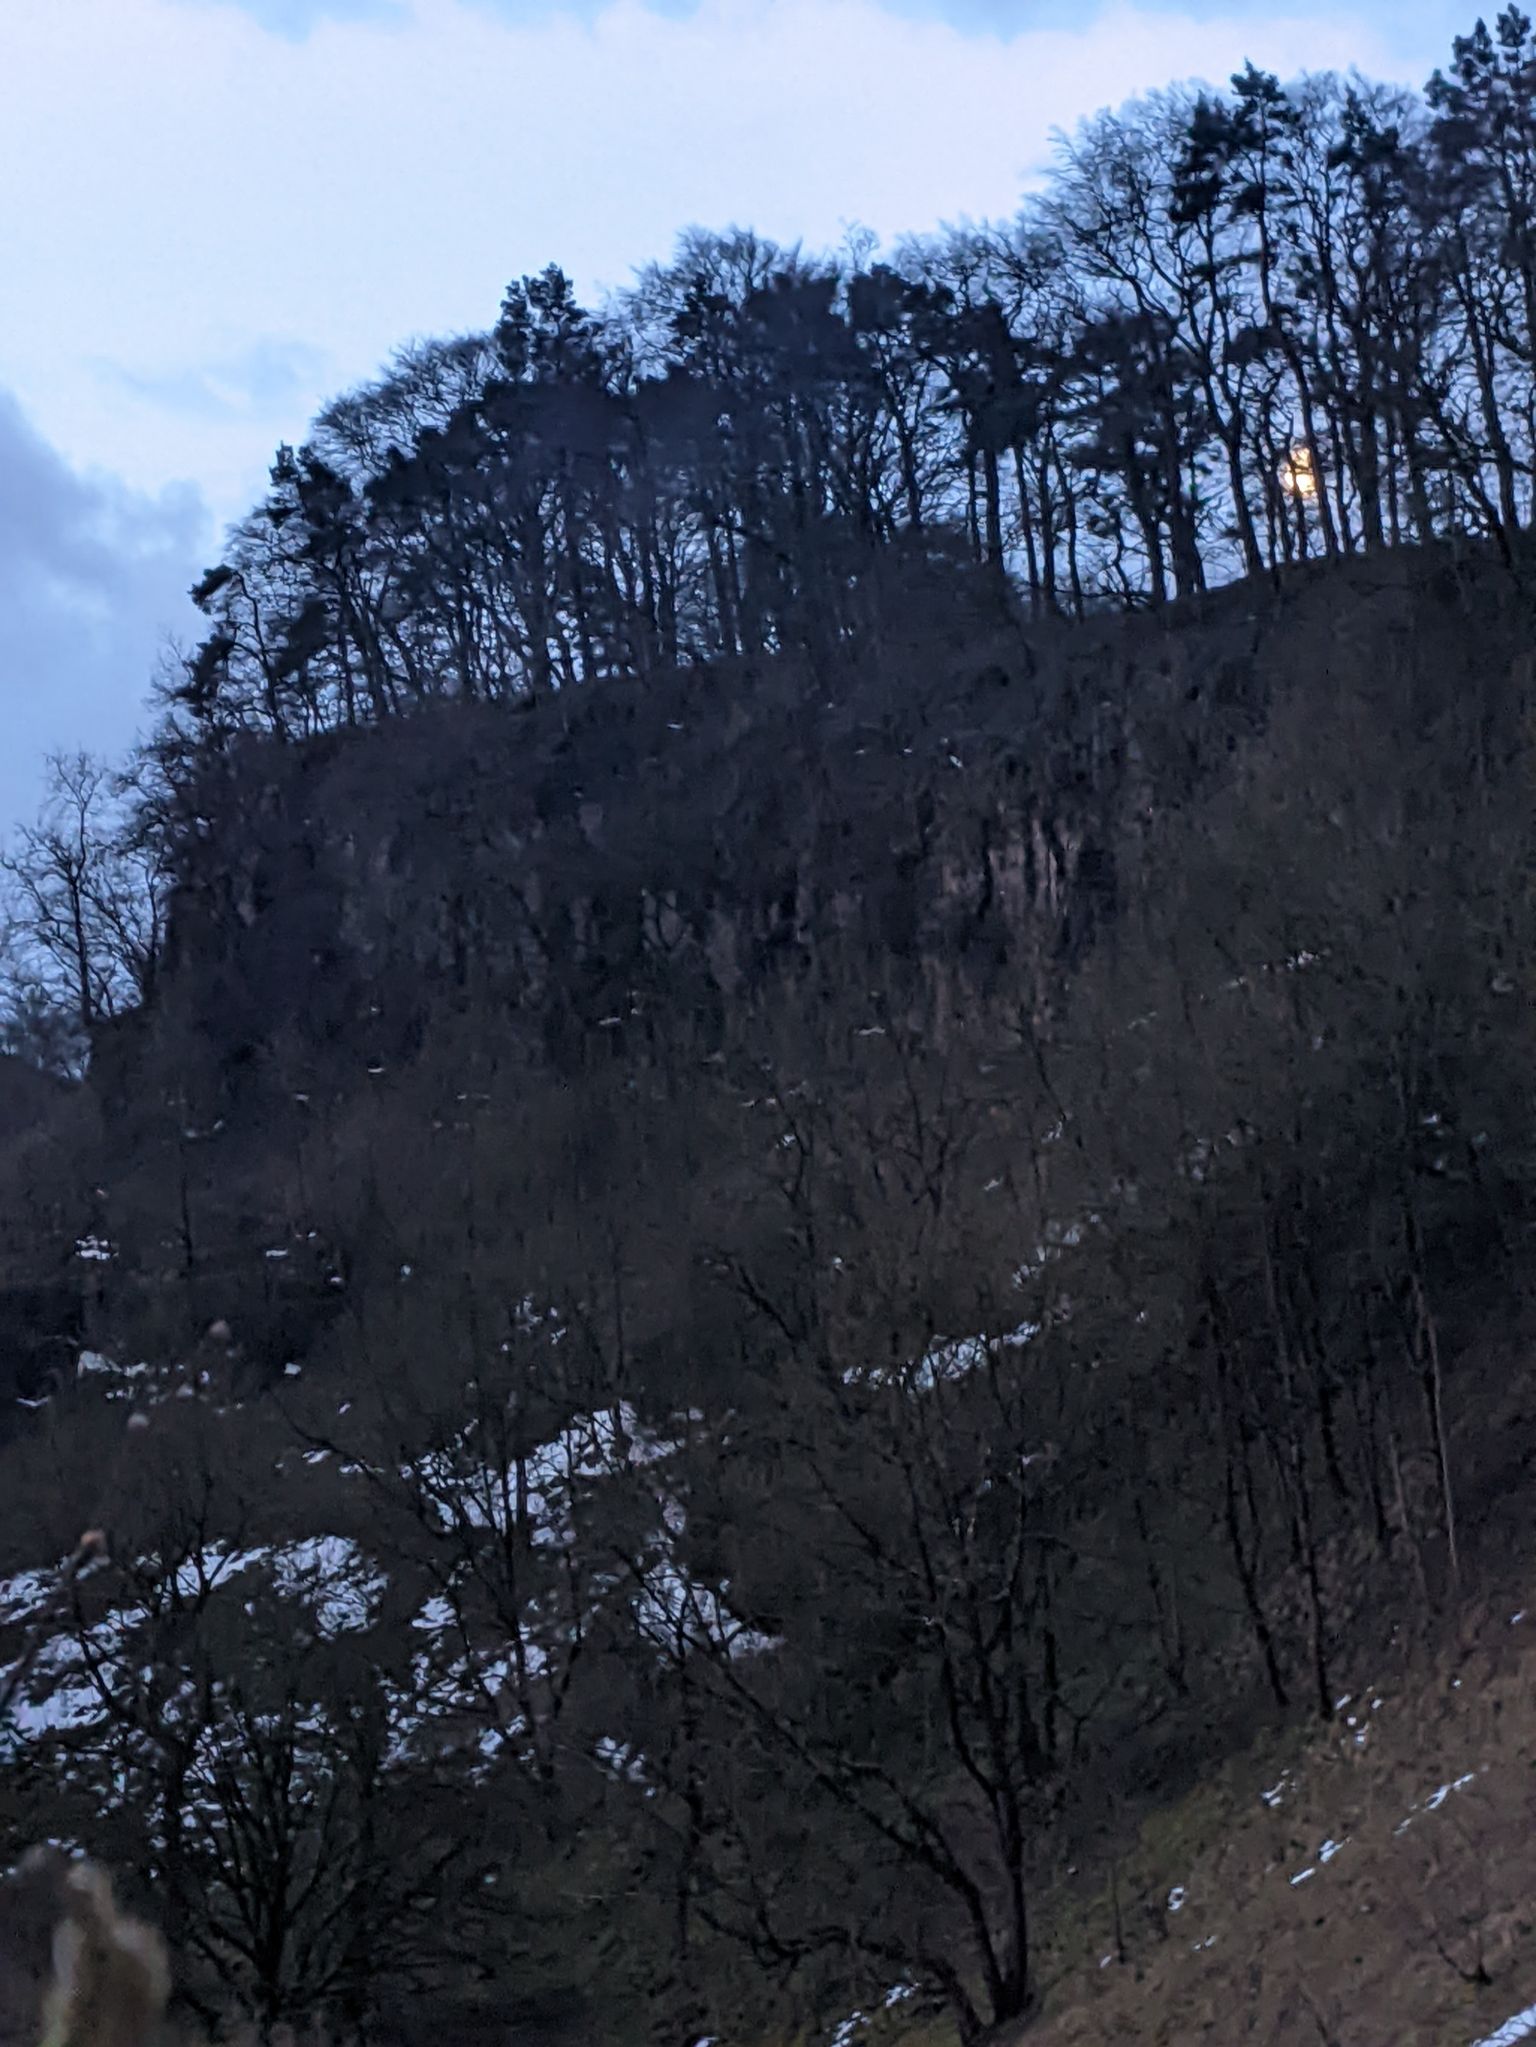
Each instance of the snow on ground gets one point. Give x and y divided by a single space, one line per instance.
22 1596
331 1574
1520 2027
947 1361
66 1703
475 1678
466 1491
857 2022
1435 1800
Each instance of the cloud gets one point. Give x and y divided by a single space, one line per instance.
93 576
268 375
1005 19
295 19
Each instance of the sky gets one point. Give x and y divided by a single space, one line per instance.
214 214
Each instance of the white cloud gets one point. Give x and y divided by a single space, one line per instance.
183 185
93 576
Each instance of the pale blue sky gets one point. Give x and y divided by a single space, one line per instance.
215 213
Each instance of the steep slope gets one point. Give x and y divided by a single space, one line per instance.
877 1284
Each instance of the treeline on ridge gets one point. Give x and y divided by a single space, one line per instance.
1230 330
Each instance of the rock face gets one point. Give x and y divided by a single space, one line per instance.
929 833
74 1971
579 866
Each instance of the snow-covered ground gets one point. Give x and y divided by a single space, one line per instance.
470 1667
1520 2027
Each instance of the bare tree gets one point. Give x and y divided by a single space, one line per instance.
85 893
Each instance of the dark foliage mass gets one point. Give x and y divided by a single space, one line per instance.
806 1113
1234 330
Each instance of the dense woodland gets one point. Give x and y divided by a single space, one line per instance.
1232 330
797 1088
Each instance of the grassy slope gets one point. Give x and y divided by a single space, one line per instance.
1420 1931
1386 1942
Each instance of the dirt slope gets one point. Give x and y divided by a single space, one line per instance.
1377 1889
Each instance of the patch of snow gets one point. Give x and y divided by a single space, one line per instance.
1520 2027
620 1758
128 1377
1435 1800
335 1576
21 1596
61 1708
947 1362
672 1608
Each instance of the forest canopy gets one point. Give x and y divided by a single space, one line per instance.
1232 329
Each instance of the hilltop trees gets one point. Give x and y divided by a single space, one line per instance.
1233 330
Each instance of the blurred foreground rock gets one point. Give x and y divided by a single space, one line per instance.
74 1970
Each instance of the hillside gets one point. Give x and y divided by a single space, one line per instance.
786 1336
784 1223
1370 1884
